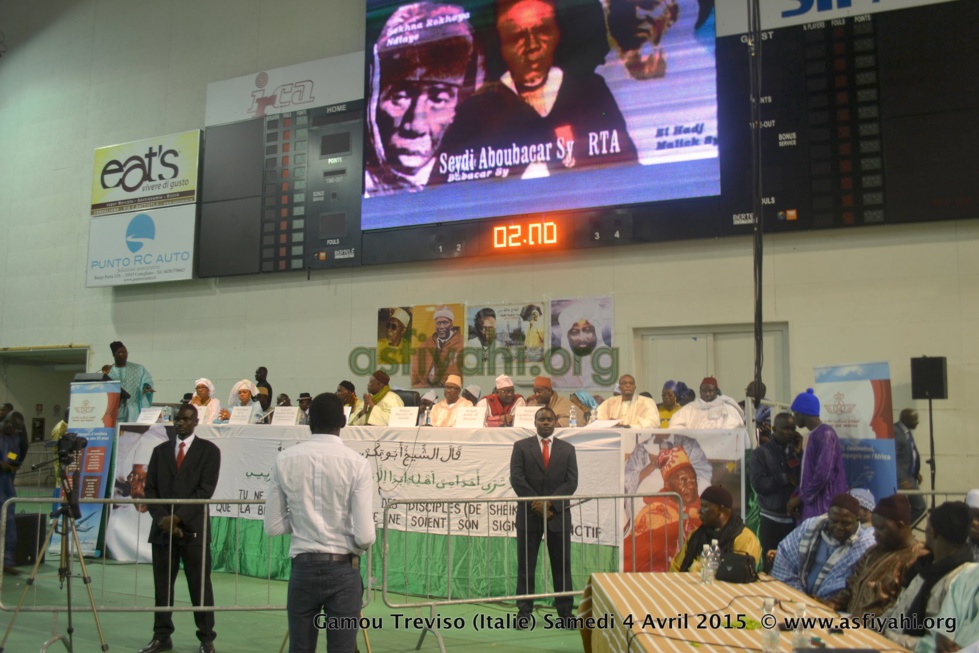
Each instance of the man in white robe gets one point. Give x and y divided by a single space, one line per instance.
710 411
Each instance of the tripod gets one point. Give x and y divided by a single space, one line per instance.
66 515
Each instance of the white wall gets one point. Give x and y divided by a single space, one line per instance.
95 72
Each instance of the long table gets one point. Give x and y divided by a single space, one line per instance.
632 613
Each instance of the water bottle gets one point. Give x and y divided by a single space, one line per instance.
572 418
715 558
769 637
428 417
706 576
800 636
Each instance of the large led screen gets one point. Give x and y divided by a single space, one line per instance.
486 108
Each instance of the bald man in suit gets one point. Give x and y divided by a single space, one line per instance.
184 468
542 466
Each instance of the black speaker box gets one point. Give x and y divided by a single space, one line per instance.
929 378
31 531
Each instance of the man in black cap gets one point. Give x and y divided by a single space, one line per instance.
947 540
876 580
304 400
718 522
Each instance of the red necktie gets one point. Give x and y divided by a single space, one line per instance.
180 454
547 451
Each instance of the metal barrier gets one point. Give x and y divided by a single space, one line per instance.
934 496
453 523
106 564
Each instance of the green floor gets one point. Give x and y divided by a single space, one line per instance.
116 585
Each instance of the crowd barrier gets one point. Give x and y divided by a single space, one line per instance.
459 553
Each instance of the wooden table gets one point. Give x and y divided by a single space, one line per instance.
704 618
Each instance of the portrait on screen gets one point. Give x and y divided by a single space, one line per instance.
501 107
439 335
672 463
394 335
580 342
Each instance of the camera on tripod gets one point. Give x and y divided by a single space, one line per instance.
68 445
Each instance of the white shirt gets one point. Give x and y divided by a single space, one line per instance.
321 492
177 442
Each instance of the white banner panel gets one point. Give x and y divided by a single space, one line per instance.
732 17
303 86
143 247
155 172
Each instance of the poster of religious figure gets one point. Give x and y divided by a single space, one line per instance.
517 329
394 335
581 354
438 336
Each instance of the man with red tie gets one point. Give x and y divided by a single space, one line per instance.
542 466
184 468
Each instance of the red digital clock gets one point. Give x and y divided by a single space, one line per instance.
514 236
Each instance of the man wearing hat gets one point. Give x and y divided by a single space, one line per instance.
949 554
544 395
822 476
378 402
711 410
628 408
426 402
439 355
867 504
501 404
472 392
718 522
444 412
394 347
876 580
821 553
304 401
136 383
347 392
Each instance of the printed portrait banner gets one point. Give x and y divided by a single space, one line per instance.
856 399
151 173
128 528
519 329
91 415
427 464
682 461
870 464
394 329
581 354
149 246
437 339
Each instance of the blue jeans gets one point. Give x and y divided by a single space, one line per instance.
333 588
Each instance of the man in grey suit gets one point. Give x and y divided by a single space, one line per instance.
541 466
184 468
908 461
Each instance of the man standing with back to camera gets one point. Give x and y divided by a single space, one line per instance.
322 493
184 468
541 466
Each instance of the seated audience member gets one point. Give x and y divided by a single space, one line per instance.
867 504
305 399
931 576
501 404
378 402
972 500
283 400
711 411
876 579
957 624
687 397
425 404
718 522
823 476
774 473
244 393
348 395
209 407
671 403
586 406
472 393
818 556
444 412
544 395
628 408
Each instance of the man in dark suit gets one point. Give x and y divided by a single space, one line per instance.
184 468
541 466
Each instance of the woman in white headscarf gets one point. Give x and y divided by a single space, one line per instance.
244 393
208 406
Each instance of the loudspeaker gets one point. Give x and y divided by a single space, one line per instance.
929 378
31 531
